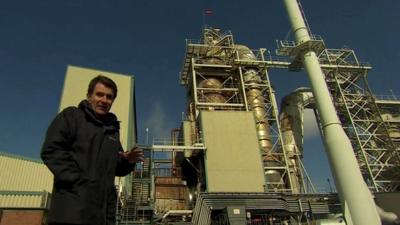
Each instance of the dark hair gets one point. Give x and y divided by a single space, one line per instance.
103 80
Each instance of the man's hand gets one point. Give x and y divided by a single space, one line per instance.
134 155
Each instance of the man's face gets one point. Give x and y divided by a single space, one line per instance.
101 99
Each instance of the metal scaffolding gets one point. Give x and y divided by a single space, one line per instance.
361 117
358 110
145 205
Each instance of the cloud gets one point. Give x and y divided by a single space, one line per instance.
157 122
311 129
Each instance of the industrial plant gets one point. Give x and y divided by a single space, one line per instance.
237 156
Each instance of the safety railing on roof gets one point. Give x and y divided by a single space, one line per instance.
286 43
167 141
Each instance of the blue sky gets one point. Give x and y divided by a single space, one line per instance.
146 38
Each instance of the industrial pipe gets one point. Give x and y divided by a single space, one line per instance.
256 102
357 201
291 121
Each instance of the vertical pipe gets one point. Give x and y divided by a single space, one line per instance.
256 101
357 202
194 86
243 89
194 106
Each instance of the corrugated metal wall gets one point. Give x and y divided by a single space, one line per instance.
23 199
22 174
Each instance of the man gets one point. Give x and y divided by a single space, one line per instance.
83 151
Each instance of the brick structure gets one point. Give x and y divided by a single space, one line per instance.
22 217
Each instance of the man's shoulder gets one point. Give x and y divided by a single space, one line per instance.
72 111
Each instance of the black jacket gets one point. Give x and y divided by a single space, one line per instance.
82 153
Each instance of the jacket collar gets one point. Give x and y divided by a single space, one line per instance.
109 121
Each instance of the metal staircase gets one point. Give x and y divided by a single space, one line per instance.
137 208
